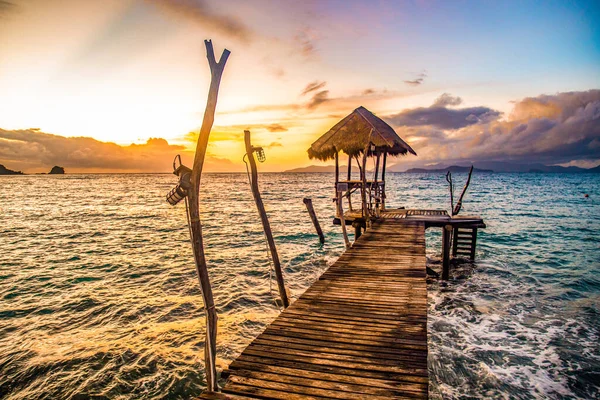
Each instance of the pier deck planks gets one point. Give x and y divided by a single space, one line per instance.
358 332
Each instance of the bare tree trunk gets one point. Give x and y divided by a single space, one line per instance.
449 180
210 345
460 199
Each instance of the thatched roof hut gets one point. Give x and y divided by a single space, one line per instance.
354 133
360 133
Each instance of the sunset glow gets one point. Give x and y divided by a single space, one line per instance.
128 71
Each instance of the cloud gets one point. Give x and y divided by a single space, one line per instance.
446 99
276 128
442 117
367 92
6 7
316 85
305 40
201 12
418 80
551 129
274 144
318 99
35 151
414 82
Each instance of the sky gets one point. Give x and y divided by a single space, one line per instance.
121 86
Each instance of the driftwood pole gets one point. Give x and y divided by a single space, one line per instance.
313 218
449 180
265 221
459 202
210 345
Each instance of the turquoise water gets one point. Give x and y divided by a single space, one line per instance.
99 297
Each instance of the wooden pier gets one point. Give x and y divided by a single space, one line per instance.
360 331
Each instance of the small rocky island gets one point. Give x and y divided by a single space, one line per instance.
6 171
56 170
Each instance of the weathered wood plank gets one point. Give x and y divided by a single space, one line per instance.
360 331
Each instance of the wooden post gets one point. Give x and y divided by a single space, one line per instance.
340 211
383 181
265 221
349 167
337 170
349 178
357 230
473 243
376 183
337 173
363 177
210 345
455 242
446 239
313 217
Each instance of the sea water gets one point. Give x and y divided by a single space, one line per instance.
99 297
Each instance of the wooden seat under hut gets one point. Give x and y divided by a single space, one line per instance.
360 135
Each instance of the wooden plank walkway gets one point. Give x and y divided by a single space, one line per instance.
358 332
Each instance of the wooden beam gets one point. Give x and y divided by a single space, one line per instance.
210 345
265 220
313 218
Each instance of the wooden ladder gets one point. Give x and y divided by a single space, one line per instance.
464 243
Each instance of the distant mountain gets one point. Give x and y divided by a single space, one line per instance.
318 168
497 166
452 168
6 171
480 166
56 170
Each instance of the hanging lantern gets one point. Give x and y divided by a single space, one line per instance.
180 191
260 154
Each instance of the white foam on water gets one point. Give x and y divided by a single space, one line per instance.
488 338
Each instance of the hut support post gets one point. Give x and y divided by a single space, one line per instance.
265 221
363 178
337 169
340 211
446 242
210 344
383 181
313 217
349 178
376 183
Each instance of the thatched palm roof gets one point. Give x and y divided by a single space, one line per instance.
353 133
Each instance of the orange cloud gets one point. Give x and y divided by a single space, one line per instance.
33 151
